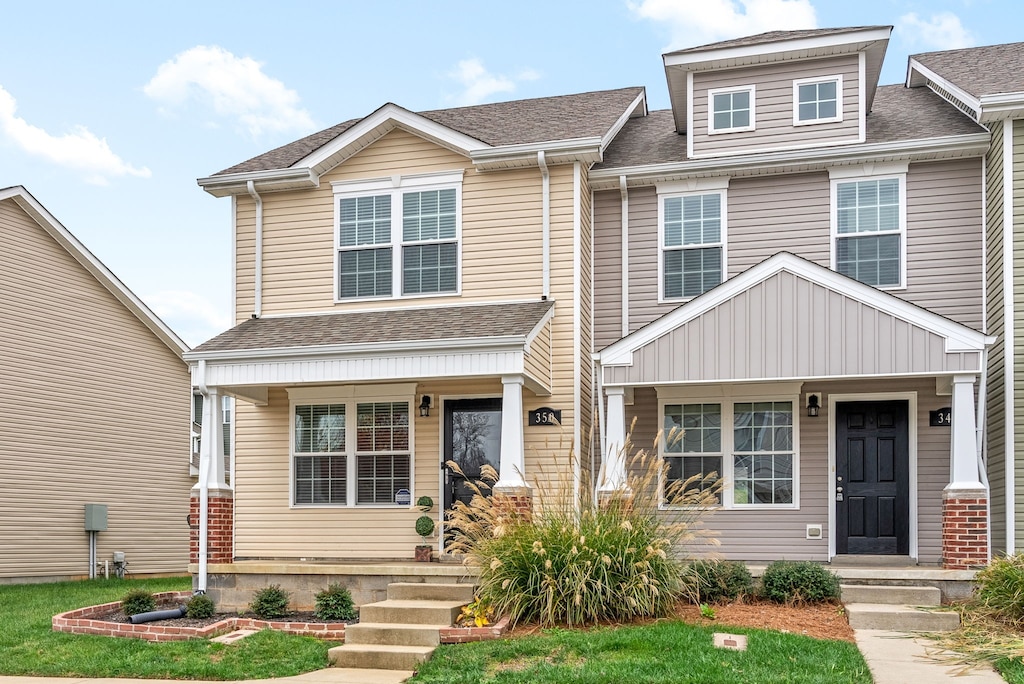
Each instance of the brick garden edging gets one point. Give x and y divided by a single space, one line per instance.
464 635
81 621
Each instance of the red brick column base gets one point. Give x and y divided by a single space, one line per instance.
220 538
964 530
513 503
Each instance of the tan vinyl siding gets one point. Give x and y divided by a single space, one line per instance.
995 437
1018 324
97 412
767 535
773 116
607 268
537 359
586 287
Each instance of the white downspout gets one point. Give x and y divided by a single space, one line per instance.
257 309
204 485
982 460
545 185
595 478
624 192
1009 398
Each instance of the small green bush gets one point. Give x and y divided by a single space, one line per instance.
425 502
335 603
796 582
199 606
1001 588
270 602
424 526
138 601
711 581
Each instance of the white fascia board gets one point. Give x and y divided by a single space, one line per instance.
273 179
778 162
640 101
959 338
506 343
532 335
913 66
582 149
88 260
853 39
1002 106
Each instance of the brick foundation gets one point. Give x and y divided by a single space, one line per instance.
964 531
220 538
514 503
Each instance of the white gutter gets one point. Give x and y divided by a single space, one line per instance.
545 193
204 485
624 194
258 286
1009 400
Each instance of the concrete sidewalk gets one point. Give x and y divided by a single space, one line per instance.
898 658
331 675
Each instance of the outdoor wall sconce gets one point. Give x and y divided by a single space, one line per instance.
425 406
813 405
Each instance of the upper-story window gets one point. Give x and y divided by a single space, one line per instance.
398 236
869 229
692 234
817 100
731 109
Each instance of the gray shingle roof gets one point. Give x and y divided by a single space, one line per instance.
564 117
980 71
774 37
395 325
899 114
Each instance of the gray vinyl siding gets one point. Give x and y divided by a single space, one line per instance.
1018 324
996 393
773 116
766 535
607 268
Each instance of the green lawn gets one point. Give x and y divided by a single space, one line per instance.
1012 669
667 652
30 647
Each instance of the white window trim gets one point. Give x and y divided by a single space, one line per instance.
351 396
727 398
683 189
734 89
838 79
396 186
864 173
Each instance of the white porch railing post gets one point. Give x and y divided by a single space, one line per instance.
614 470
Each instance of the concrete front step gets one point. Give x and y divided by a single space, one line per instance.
896 618
422 591
379 657
391 634
411 612
893 595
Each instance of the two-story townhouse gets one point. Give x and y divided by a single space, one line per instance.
410 289
985 84
789 268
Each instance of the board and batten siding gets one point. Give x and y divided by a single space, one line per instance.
764 535
995 437
773 107
100 415
791 213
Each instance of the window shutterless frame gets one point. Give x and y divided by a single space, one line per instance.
817 100
891 224
671 193
732 110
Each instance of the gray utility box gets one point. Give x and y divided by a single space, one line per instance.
95 517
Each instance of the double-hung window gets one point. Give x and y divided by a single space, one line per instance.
349 449
869 229
398 237
817 100
751 445
731 110
692 230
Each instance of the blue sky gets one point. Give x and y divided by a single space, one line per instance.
109 111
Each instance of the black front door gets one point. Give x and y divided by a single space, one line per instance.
472 438
872 490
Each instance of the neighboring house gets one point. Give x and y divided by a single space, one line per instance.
986 84
96 412
789 239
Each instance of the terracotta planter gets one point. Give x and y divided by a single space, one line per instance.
424 553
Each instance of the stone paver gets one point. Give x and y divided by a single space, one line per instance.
898 658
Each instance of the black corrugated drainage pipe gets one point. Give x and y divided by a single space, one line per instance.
157 615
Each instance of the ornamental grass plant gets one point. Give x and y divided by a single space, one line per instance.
582 558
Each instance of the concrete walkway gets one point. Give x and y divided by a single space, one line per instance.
898 658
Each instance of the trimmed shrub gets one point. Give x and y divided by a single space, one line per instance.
796 582
138 601
1001 588
270 602
424 526
335 603
199 606
712 581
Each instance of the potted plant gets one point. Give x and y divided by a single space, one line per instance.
424 528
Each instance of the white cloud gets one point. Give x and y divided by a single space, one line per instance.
79 149
479 84
697 22
193 317
233 87
942 31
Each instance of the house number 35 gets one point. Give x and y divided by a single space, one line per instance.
545 416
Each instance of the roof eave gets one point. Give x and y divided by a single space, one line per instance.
294 178
587 150
852 41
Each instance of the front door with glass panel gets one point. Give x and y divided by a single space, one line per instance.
472 439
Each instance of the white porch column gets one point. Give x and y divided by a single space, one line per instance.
614 477
512 466
963 465
211 448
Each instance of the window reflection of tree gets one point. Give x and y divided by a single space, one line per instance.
470 430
